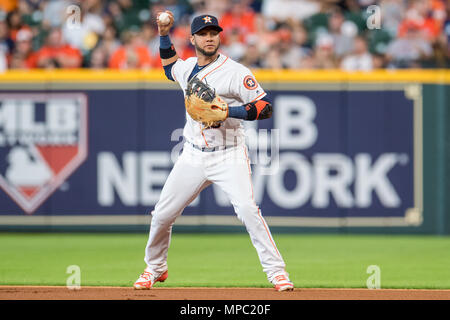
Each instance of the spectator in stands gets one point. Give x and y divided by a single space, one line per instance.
125 15
214 7
342 31
438 12
98 59
6 43
150 36
239 19
15 24
114 11
425 15
235 48
378 61
323 56
272 60
23 56
392 12
57 54
54 14
281 10
291 43
180 39
132 54
409 50
252 55
109 42
179 8
30 6
300 36
441 46
360 59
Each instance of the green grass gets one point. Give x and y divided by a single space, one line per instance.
227 260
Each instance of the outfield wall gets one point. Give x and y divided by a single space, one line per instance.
343 152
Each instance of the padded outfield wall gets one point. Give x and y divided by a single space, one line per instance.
343 152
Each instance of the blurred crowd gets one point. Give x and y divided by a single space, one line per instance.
272 34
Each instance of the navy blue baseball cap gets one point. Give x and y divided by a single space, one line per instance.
204 21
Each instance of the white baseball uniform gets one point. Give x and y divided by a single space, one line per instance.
228 166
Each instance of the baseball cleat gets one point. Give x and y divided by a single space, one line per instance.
147 279
282 283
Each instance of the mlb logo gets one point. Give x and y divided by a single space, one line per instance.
43 140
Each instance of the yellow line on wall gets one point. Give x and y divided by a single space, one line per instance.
439 76
422 76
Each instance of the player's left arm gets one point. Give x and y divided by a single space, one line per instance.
255 110
248 89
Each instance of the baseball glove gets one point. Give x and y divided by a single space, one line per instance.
204 105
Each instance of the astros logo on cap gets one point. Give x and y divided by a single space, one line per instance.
207 19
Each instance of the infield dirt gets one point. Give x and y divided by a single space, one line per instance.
121 293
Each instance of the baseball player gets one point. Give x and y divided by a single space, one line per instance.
207 151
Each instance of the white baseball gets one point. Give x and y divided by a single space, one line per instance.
164 18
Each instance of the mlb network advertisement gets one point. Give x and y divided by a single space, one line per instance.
323 154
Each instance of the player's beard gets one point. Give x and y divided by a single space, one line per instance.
207 53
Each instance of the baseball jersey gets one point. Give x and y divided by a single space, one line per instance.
233 82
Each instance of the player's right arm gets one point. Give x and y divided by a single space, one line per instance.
166 49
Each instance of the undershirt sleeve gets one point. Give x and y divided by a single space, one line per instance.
168 71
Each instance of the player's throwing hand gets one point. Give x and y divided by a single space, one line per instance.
163 25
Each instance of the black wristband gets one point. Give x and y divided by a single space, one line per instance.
252 113
167 53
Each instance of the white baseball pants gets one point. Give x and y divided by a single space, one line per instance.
194 171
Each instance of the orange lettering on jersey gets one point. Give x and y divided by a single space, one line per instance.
250 83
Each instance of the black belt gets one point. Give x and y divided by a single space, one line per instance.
207 149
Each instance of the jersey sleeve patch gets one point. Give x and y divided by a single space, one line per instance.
250 83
